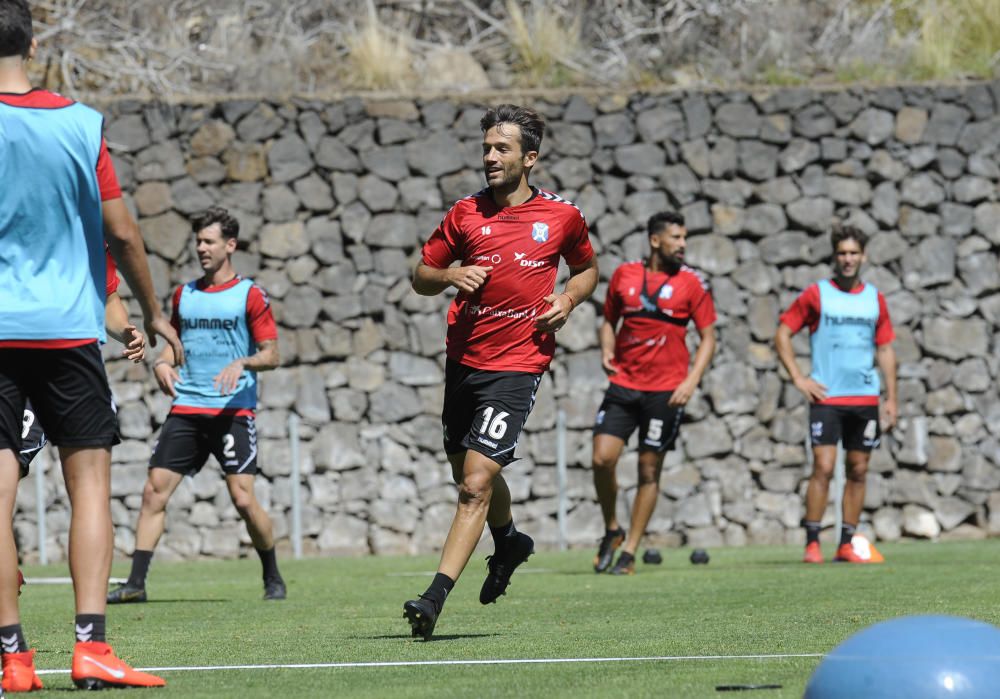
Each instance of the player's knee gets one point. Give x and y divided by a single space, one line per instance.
154 498
857 472
475 489
822 472
649 476
243 501
604 462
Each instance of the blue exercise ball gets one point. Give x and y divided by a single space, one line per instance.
916 657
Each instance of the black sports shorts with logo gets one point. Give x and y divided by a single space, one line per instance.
624 409
857 426
486 410
69 394
186 441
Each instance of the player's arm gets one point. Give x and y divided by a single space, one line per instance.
606 335
264 359
580 285
702 357
165 371
813 390
885 357
431 281
121 233
118 327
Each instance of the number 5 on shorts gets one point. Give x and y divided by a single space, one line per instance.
655 429
495 427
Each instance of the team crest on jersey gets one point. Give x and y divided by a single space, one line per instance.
539 232
666 292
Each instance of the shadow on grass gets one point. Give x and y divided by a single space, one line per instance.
435 637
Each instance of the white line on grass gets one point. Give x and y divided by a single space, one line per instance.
427 663
66 581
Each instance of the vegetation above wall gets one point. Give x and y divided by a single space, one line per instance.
184 47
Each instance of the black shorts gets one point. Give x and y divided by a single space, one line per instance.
69 394
486 410
624 409
186 441
856 425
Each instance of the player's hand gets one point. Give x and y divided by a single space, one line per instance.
608 364
162 327
468 279
166 377
890 413
682 394
226 380
555 317
135 344
813 390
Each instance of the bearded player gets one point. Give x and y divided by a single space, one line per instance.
508 240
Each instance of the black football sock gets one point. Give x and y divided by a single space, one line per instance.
503 535
438 591
140 568
269 563
846 532
12 639
90 627
812 531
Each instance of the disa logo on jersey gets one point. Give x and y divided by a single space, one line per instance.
539 232
519 256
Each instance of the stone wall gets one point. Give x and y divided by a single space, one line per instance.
335 199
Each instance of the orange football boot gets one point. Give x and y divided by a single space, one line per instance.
19 672
813 553
95 666
846 554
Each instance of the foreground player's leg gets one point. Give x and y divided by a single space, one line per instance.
824 457
607 451
856 465
261 532
650 466
160 485
87 474
15 657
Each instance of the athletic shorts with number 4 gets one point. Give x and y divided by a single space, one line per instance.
186 441
485 411
856 426
624 409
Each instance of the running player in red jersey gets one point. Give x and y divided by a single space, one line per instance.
646 360
849 332
508 239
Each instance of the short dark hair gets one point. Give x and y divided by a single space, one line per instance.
216 214
657 222
531 124
841 233
15 28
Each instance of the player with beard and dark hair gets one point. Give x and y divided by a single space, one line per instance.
647 361
849 332
508 240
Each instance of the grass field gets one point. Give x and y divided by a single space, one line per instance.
677 629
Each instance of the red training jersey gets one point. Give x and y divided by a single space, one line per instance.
111 275
494 328
805 311
260 320
107 181
650 349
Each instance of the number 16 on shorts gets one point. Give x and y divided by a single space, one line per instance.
492 427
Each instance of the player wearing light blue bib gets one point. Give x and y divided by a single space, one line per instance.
59 203
850 332
228 334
